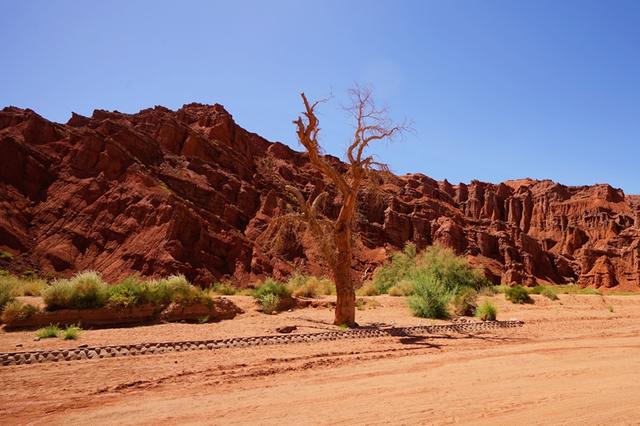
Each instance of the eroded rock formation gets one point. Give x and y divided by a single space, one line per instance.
162 192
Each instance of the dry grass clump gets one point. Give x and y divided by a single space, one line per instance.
223 289
403 288
16 310
362 304
368 289
310 286
12 287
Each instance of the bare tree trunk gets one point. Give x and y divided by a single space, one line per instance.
345 293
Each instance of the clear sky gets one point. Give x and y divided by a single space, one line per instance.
495 89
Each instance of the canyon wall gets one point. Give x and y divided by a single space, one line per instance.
161 192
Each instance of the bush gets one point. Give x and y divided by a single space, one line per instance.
403 288
48 332
433 279
430 299
7 292
71 332
129 292
549 293
84 290
310 286
58 295
400 267
222 288
175 289
16 310
465 302
487 311
451 270
518 294
435 264
269 294
269 302
271 286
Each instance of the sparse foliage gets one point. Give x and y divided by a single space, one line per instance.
309 286
16 310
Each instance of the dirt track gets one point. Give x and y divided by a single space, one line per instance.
574 363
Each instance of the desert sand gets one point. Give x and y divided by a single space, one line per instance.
573 362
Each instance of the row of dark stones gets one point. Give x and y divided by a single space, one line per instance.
93 352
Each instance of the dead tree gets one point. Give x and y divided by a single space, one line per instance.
334 236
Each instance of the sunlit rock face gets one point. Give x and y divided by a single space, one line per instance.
161 192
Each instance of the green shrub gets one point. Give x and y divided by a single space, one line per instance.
465 302
436 264
175 289
48 332
89 291
610 307
400 267
549 293
16 310
7 292
71 332
430 299
451 270
269 294
269 302
129 292
82 291
58 295
271 286
518 294
223 288
309 286
403 288
487 311
6 256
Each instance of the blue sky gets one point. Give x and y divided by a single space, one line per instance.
495 89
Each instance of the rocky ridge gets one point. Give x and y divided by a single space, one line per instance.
161 191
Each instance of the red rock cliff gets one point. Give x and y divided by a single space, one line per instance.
161 192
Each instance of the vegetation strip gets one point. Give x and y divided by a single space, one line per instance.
75 354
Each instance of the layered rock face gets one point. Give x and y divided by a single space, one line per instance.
162 192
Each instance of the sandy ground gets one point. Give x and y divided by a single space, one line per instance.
574 362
